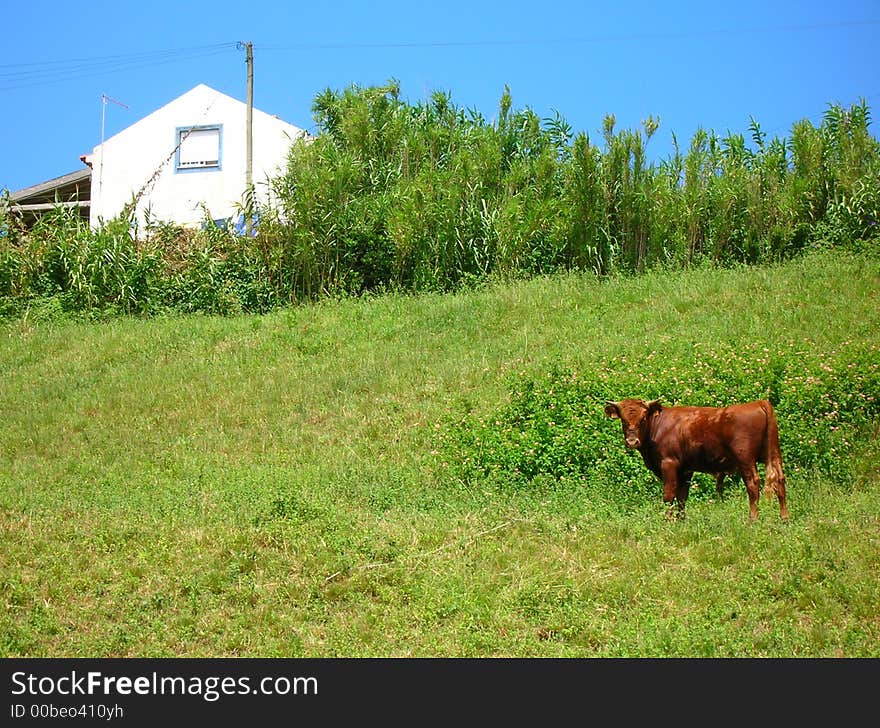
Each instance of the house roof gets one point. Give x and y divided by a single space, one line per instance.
63 188
207 97
73 189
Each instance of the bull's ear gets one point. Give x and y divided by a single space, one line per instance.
612 410
654 406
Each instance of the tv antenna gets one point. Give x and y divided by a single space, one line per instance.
104 99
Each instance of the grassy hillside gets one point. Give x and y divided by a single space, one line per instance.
294 484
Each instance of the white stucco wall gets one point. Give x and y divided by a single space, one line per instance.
134 155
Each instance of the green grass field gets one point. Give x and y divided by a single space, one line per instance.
286 485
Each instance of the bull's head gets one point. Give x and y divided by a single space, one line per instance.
635 416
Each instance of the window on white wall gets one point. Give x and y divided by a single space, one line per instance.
198 147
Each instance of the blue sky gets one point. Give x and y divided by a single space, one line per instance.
691 64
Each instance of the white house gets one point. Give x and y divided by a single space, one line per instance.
187 157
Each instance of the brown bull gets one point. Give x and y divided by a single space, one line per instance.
676 442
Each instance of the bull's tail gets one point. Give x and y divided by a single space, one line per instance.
774 476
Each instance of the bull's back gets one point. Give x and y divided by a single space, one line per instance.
715 439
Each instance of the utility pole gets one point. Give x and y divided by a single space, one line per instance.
249 139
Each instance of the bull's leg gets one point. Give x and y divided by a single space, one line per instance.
719 485
669 470
753 486
776 483
780 494
681 495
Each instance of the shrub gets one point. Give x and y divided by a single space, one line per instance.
554 425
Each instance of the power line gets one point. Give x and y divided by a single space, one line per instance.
58 71
671 35
73 72
21 75
119 57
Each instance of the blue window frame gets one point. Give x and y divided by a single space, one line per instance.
198 148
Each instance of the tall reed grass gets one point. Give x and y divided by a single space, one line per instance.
431 196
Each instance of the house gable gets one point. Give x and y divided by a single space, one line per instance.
163 163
